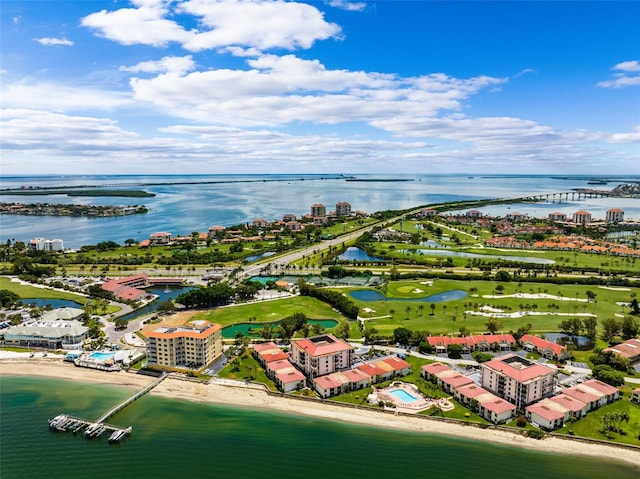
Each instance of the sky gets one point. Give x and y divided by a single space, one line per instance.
333 86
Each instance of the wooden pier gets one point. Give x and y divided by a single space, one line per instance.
94 429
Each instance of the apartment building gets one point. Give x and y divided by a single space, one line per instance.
517 379
188 347
321 355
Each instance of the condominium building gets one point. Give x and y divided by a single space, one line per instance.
517 379
320 355
41 244
557 216
318 209
615 215
582 217
188 347
343 208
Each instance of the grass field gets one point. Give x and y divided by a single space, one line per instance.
27 291
269 311
402 307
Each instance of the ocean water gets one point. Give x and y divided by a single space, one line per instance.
175 438
187 203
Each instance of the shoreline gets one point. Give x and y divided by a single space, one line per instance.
223 393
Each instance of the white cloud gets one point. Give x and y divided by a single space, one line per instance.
60 97
48 41
630 77
174 65
260 24
281 90
347 5
630 66
631 137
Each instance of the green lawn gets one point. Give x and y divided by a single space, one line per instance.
591 424
269 311
26 291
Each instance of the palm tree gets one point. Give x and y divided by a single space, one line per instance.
420 309
433 308
453 321
407 310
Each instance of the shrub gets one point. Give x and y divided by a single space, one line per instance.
521 421
536 434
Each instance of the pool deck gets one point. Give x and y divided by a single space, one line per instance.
422 403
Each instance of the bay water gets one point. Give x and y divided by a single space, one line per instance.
187 203
177 438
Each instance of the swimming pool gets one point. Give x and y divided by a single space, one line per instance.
403 395
101 357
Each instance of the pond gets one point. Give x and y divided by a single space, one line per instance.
460 254
358 254
371 295
580 341
244 328
163 295
55 303
256 257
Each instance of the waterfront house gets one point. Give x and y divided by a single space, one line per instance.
635 396
594 393
546 414
161 238
268 352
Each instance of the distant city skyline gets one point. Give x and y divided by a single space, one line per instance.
222 86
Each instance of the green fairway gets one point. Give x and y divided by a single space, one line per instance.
269 311
543 306
27 291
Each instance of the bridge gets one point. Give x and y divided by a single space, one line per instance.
558 197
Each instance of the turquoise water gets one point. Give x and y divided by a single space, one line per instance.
253 329
175 439
371 295
403 395
102 357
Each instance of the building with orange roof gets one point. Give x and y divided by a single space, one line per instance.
614 215
547 349
594 393
289 381
321 355
630 349
496 410
187 347
546 414
517 379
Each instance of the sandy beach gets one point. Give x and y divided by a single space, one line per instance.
223 392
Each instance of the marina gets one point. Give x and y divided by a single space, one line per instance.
94 429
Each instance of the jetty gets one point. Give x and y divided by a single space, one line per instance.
94 429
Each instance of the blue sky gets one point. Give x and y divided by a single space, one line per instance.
227 86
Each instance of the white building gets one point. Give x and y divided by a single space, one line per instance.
42 244
615 215
582 217
47 334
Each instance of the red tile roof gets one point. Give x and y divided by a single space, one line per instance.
498 405
321 345
569 402
522 375
543 344
545 411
